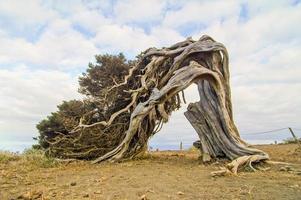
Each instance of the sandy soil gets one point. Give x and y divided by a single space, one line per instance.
158 175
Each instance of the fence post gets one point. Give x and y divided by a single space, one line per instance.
294 136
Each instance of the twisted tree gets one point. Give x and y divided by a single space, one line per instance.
128 102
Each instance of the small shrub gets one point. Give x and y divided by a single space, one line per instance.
193 149
291 141
6 156
37 157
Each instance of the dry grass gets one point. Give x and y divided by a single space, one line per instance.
6 156
156 175
29 158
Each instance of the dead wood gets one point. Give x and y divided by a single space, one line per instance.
149 93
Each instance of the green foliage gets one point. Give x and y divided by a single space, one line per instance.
38 158
36 146
102 75
193 149
291 141
62 121
99 77
30 158
48 128
6 156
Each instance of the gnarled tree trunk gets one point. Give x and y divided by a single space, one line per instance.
153 85
217 132
211 117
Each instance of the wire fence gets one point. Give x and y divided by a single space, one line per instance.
273 131
273 136
263 132
284 134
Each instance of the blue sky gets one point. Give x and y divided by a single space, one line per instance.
45 45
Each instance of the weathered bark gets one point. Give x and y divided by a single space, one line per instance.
217 132
211 117
153 86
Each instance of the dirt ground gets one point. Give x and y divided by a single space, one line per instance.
158 175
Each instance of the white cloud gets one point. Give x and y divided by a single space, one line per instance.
123 38
64 47
262 30
28 96
28 93
139 11
12 50
131 40
28 12
266 106
264 48
89 19
201 12
59 47
165 36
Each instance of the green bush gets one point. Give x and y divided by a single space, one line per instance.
291 140
37 157
6 156
193 149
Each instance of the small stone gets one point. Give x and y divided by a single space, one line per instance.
86 195
294 186
289 168
143 197
66 193
244 192
283 169
180 193
150 191
25 196
73 183
97 192
31 195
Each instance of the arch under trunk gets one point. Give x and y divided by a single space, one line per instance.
153 86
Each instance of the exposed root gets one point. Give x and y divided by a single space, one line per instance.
232 167
281 163
235 164
222 172
110 155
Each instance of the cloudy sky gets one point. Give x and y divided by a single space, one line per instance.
45 45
